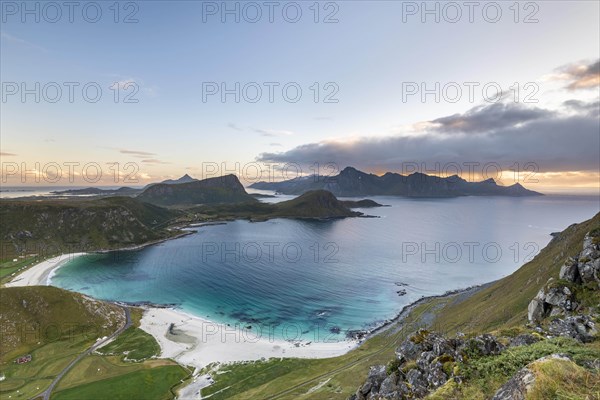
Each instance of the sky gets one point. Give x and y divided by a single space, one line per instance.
503 90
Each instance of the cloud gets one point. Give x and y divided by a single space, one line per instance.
273 133
489 118
124 84
582 75
592 109
154 161
3 154
275 144
8 38
136 153
132 86
234 127
553 141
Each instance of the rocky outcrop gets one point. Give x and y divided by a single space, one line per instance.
423 363
523 381
557 297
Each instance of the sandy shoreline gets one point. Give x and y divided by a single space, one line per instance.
199 342
40 274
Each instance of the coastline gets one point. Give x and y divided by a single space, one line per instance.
41 273
191 340
195 341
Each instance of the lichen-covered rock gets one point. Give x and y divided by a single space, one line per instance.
408 350
418 382
559 296
425 359
485 345
436 376
580 327
389 386
523 340
589 270
517 387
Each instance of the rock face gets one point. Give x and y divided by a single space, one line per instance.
557 298
522 382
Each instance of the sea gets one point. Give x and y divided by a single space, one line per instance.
327 280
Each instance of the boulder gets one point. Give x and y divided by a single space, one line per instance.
389 386
486 345
425 359
589 270
536 310
570 271
408 350
436 376
559 296
417 381
523 340
579 327
522 382
517 386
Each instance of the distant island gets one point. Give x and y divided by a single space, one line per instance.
351 182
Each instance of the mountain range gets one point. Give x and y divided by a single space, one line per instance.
351 182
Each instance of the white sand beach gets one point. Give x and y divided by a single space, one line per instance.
40 274
199 342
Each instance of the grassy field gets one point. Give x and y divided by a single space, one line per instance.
134 343
154 383
9 267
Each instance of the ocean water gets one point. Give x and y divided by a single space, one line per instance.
321 280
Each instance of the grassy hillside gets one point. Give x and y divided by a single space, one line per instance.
59 226
54 326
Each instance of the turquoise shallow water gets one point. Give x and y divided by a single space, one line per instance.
314 280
